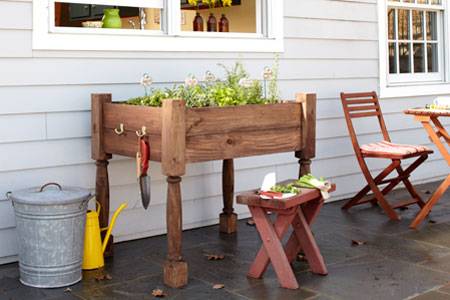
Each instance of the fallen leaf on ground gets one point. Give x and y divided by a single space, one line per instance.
158 293
68 290
104 276
215 256
250 222
218 286
358 243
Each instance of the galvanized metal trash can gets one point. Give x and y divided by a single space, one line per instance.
50 228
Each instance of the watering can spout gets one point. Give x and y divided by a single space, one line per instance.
111 226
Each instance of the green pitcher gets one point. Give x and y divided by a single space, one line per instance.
111 18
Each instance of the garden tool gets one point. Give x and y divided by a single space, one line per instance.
93 246
142 163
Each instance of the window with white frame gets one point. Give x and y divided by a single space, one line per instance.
158 25
415 41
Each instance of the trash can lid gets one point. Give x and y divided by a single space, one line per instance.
50 194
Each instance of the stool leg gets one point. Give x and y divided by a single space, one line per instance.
262 260
274 249
310 210
309 245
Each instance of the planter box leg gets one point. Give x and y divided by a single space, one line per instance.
102 196
228 219
175 269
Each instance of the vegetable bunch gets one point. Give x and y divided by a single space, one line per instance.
288 188
309 181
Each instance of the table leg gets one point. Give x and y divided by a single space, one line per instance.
430 203
441 129
175 268
274 248
434 136
228 218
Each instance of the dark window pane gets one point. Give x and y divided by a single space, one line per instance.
432 56
431 26
403 24
418 25
419 57
392 58
405 57
391 24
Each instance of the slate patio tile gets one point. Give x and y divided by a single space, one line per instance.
432 295
270 290
373 277
445 288
437 234
142 289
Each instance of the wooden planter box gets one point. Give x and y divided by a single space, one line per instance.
179 135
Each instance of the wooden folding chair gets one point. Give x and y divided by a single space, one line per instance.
362 105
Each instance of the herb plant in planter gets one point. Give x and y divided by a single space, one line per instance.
197 122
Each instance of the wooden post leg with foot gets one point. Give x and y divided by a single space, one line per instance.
101 158
175 269
102 196
173 162
228 218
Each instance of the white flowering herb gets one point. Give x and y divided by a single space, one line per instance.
146 82
268 73
210 77
190 81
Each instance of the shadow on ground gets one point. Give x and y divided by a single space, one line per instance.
394 262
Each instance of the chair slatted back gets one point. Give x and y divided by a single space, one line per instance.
362 105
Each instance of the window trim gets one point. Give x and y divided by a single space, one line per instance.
48 37
411 88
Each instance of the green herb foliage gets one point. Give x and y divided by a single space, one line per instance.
236 89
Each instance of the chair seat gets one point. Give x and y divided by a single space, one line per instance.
385 149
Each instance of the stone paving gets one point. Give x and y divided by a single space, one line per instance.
392 262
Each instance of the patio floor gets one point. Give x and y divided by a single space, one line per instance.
393 262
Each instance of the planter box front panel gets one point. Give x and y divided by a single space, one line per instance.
216 133
242 143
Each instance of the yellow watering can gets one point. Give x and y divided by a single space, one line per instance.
93 246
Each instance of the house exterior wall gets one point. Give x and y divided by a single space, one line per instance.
330 46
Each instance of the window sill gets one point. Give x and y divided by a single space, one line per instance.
120 42
423 89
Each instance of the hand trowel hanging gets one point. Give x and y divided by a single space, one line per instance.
142 166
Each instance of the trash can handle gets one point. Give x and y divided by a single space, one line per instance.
48 184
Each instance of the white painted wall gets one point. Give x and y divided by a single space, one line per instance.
331 46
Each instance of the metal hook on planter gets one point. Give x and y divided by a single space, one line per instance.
142 132
120 130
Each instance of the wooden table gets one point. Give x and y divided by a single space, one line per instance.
179 135
430 121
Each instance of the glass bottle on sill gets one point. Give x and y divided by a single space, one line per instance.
198 22
224 24
212 23
111 18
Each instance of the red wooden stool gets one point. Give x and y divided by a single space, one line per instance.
298 211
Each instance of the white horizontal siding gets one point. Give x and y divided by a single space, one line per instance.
331 46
